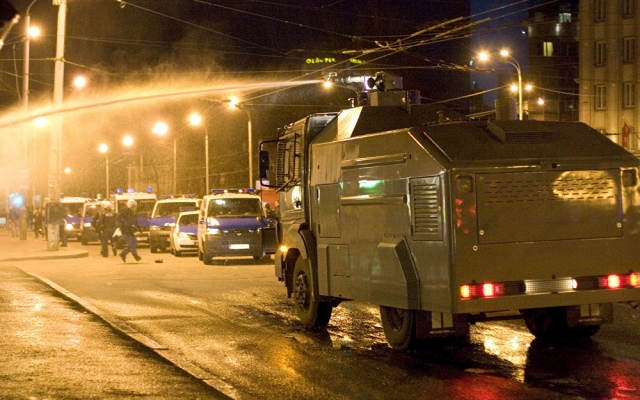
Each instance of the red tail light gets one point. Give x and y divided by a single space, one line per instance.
612 281
481 291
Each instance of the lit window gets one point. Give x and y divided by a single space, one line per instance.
564 17
547 49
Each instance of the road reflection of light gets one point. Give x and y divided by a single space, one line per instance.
37 307
507 343
623 388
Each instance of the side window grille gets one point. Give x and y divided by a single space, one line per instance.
287 164
426 210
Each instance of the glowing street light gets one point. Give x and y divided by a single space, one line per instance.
161 129
508 59
80 82
127 141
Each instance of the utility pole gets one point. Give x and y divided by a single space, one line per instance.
55 156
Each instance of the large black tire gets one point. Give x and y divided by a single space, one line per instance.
399 327
551 324
313 314
546 323
206 258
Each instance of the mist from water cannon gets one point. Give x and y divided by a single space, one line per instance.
101 115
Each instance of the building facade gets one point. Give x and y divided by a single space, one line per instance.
552 29
609 70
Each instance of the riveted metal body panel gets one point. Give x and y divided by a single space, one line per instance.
405 215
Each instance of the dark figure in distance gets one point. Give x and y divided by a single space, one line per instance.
106 223
128 224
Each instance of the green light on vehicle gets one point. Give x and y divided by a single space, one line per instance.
368 184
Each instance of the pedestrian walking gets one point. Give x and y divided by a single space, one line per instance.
106 223
128 224
14 221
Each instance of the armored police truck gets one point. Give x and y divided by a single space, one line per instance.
444 223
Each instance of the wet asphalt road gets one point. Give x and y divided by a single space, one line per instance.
234 321
51 349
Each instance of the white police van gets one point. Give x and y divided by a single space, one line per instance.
233 223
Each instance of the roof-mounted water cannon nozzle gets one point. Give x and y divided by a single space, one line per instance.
383 81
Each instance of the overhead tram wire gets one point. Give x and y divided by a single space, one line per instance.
391 50
128 3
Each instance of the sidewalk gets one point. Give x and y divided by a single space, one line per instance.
14 249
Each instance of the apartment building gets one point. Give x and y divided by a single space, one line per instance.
609 70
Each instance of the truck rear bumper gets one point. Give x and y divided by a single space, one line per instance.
521 302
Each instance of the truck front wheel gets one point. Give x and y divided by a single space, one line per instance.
312 313
399 327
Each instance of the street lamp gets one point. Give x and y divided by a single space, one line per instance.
161 129
29 32
195 119
127 141
79 82
509 59
234 103
103 148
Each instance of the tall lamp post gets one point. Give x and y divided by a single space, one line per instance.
161 129
509 59
195 119
28 33
233 103
103 148
127 141
55 156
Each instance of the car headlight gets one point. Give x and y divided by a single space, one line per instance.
87 224
183 235
154 228
69 227
213 231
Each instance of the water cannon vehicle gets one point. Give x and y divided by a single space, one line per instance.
442 221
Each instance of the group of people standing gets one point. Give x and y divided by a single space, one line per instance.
110 226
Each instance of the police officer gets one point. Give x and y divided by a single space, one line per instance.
128 224
105 224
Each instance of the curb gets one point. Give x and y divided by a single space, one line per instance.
79 254
223 389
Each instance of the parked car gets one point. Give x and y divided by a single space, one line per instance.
184 234
163 219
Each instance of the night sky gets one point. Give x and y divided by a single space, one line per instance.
129 48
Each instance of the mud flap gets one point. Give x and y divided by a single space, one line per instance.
590 314
269 240
431 324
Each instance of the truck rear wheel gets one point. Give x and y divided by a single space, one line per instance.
312 313
399 327
551 323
